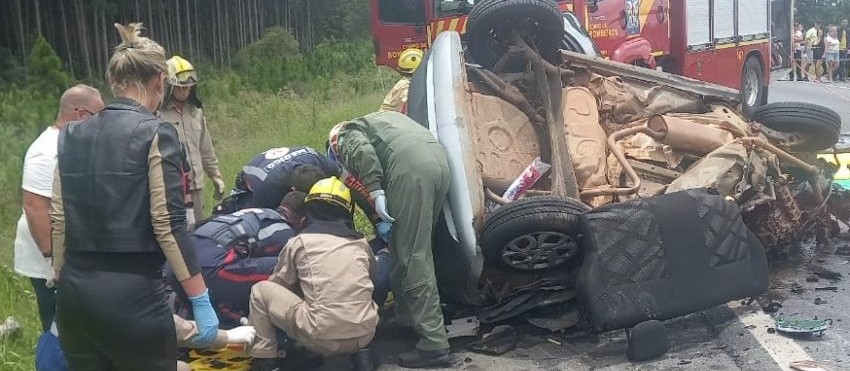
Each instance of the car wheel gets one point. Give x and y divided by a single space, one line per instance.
752 86
819 126
534 233
540 21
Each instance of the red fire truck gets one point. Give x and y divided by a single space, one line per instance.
727 42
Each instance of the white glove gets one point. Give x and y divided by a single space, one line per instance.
241 335
381 205
219 188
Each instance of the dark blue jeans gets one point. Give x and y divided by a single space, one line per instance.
46 299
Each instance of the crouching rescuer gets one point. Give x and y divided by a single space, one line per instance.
320 293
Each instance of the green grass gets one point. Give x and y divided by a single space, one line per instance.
243 123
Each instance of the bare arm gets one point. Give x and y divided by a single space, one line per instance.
37 211
57 224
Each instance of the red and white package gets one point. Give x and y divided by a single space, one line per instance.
527 179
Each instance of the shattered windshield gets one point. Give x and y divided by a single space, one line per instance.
448 8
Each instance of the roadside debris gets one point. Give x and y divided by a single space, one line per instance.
813 278
463 327
826 288
498 341
9 328
827 274
647 340
809 366
819 301
814 326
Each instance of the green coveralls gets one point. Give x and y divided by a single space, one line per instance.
389 151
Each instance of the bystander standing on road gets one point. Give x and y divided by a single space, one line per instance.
831 44
841 72
32 242
799 53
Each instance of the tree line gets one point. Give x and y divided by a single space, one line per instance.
204 31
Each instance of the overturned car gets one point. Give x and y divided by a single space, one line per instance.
635 193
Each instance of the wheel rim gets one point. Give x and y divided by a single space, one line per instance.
751 88
539 250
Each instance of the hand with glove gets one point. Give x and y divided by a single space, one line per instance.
381 205
219 188
205 319
382 229
241 335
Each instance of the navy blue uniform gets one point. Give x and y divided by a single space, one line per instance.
265 180
235 251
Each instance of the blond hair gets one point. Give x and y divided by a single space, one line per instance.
135 61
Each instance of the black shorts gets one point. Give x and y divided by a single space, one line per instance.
817 53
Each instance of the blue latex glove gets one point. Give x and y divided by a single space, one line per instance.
205 319
381 205
383 229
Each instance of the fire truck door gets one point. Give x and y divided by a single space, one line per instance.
397 25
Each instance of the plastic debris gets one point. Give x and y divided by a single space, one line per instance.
500 340
9 327
803 326
461 327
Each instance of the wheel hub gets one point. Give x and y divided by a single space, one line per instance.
751 88
539 250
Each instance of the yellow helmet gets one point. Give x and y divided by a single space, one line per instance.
410 60
333 191
181 72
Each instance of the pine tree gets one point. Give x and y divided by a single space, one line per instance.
44 68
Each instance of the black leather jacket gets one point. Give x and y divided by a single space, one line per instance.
123 186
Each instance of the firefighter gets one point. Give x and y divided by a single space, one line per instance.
396 99
237 250
184 109
269 176
320 293
406 172
117 215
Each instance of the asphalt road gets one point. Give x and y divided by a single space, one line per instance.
735 336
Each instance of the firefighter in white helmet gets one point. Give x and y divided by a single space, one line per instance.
183 108
396 99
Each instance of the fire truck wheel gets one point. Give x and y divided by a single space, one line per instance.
819 126
533 233
752 86
540 22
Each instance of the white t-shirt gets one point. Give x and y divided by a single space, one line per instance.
831 44
39 164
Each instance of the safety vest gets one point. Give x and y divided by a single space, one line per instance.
247 226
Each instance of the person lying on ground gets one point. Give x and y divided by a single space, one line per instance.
237 250
320 293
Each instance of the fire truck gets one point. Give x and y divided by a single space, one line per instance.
726 42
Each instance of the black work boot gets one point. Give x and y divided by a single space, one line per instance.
361 361
425 358
265 364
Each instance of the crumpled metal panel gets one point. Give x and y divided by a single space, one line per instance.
586 141
722 170
621 103
505 142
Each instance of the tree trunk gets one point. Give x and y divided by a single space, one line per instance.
37 17
150 16
21 32
66 32
226 50
81 35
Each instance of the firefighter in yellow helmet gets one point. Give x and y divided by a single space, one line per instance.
320 293
183 108
396 99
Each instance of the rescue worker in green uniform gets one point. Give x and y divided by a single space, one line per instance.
407 175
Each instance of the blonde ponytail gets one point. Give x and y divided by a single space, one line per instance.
136 60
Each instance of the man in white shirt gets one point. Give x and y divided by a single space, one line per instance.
33 241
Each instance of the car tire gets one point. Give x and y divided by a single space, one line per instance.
753 89
820 126
534 233
488 16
